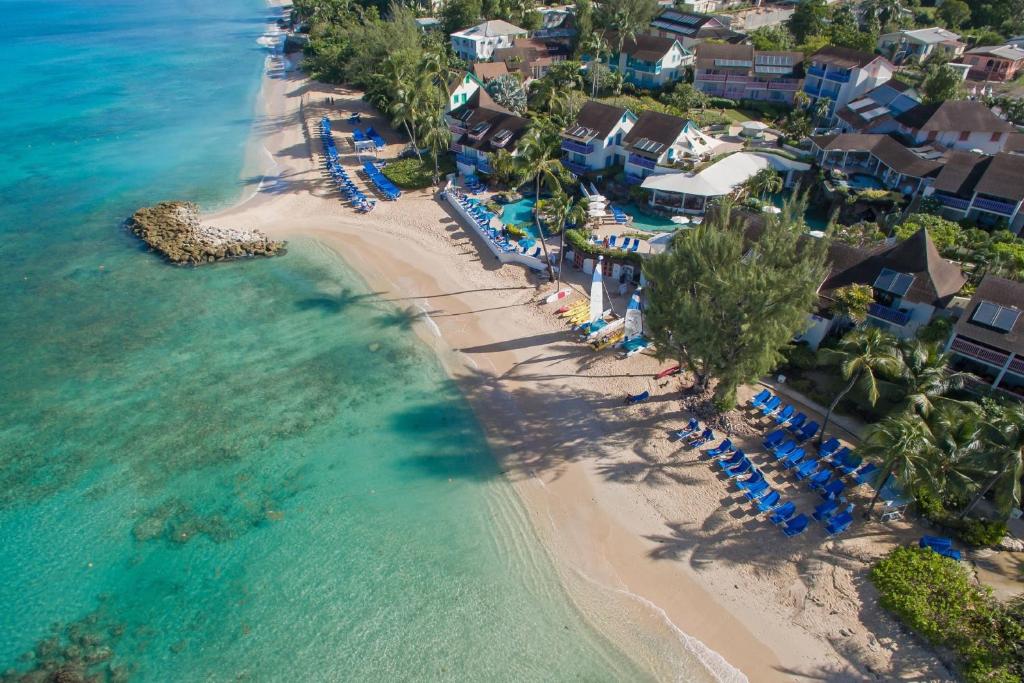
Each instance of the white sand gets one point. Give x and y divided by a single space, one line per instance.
649 542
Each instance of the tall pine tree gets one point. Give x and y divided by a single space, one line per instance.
725 306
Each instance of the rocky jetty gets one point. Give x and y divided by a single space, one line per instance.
173 229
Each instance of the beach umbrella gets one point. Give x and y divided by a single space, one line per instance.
597 291
680 220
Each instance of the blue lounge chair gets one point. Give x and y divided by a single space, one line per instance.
611 240
828 448
757 477
741 469
807 469
756 491
771 405
796 526
848 463
826 509
866 474
794 458
736 459
838 455
818 480
758 400
768 502
721 449
705 436
784 415
691 428
774 439
833 489
807 431
636 245
781 451
637 398
935 542
838 524
783 513
796 423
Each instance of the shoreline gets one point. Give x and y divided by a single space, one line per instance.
632 526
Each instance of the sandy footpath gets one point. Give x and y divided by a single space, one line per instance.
651 542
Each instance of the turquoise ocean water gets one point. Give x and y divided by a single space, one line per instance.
252 471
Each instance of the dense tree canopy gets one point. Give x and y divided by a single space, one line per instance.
713 284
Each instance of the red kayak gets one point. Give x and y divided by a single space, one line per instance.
668 372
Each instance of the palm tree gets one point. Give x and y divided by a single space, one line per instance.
437 137
861 356
927 377
899 443
955 441
565 210
820 109
595 46
765 181
539 160
1004 451
407 99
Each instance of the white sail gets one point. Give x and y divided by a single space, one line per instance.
634 319
596 292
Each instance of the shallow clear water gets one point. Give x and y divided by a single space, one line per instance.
519 212
252 470
648 222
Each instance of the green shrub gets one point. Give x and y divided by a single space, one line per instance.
801 357
413 174
935 332
944 233
579 242
721 103
936 597
977 533
515 232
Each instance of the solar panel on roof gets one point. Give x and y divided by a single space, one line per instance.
894 282
875 113
860 104
994 315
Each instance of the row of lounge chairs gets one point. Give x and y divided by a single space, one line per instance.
353 195
628 244
479 214
473 184
619 215
371 135
385 186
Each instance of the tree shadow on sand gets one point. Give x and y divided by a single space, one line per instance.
335 303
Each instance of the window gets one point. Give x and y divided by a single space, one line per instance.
996 137
964 134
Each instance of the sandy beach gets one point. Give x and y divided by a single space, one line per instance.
650 540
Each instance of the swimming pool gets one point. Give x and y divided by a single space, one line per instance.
863 181
648 222
519 212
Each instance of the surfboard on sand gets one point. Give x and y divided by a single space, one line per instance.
558 296
668 372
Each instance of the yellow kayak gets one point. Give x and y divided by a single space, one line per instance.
611 339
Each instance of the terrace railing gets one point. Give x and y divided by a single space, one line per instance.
642 162
966 348
465 159
578 147
578 169
952 202
838 76
1017 366
1004 208
816 70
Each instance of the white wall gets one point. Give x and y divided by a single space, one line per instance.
951 139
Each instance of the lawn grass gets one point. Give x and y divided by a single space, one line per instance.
414 174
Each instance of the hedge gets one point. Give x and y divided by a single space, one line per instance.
413 174
579 242
937 597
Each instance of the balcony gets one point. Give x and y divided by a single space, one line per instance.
838 76
812 89
455 147
890 315
816 70
578 169
642 162
465 159
633 179
971 350
1017 366
646 67
457 128
711 77
1002 208
577 147
952 202
483 164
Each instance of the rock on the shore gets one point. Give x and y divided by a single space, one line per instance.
174 230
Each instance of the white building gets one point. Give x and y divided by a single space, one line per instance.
965 125
658 141
842 75
479 42
594 140
689 192
919 44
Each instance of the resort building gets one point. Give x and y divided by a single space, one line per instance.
688 193
530 57
739 72
876 110
988 340
954 124
480 128
594 140
878 156
917 45
910 281
463 86
994 63
690 28
649 61
658 141
479 42
843 75
985 189
488 71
